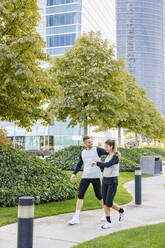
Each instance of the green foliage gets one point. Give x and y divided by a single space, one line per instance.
24 85
3 139
66 158
129 136
134 154
22 174
94 85
40 153
130 154
147 151
158 151
127 165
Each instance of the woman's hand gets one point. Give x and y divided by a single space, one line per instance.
93 164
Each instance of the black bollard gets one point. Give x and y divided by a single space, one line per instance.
25 222
138 186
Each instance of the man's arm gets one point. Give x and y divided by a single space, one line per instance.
101 151
114 160
79 165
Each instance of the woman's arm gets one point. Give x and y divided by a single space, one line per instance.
114 160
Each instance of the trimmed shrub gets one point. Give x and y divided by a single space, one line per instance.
147 151
130 154
127 165
22 174
134 154
40 153
66 158
158 151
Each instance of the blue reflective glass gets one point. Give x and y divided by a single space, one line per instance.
65 8
63 19
56 51
58 2
145 4
60 40
64 29
140 42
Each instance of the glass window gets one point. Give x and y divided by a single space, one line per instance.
56 51
58 2
46 142
65 8
65 29
60 40
63 19
19 142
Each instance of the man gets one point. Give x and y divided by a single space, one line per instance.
90 175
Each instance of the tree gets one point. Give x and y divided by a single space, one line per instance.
24 85
128 110
89 81
140 114
3 139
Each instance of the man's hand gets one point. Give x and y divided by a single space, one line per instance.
93 164
73 178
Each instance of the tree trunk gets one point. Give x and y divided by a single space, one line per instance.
85 130
136 137
119 136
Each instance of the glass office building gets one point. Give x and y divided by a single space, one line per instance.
62 21
140 42
63 25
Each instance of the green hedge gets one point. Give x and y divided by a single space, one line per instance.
22 174
130 154
127 165
67 159
134 154
159 151
147 151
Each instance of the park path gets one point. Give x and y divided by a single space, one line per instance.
53 232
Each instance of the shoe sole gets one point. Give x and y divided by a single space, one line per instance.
72 224
107 227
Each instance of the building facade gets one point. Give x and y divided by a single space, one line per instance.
140 40
62 21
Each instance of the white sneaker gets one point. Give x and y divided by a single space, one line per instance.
74 221
103 218
122 216
107 225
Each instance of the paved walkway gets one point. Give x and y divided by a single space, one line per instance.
53 232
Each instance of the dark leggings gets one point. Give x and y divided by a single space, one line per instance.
84 184
109 192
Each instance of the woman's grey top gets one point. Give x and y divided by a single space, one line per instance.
111 166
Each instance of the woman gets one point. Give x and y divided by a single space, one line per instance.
110 181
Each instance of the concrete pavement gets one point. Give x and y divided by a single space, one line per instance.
55 233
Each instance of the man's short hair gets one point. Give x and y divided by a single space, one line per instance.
86 138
